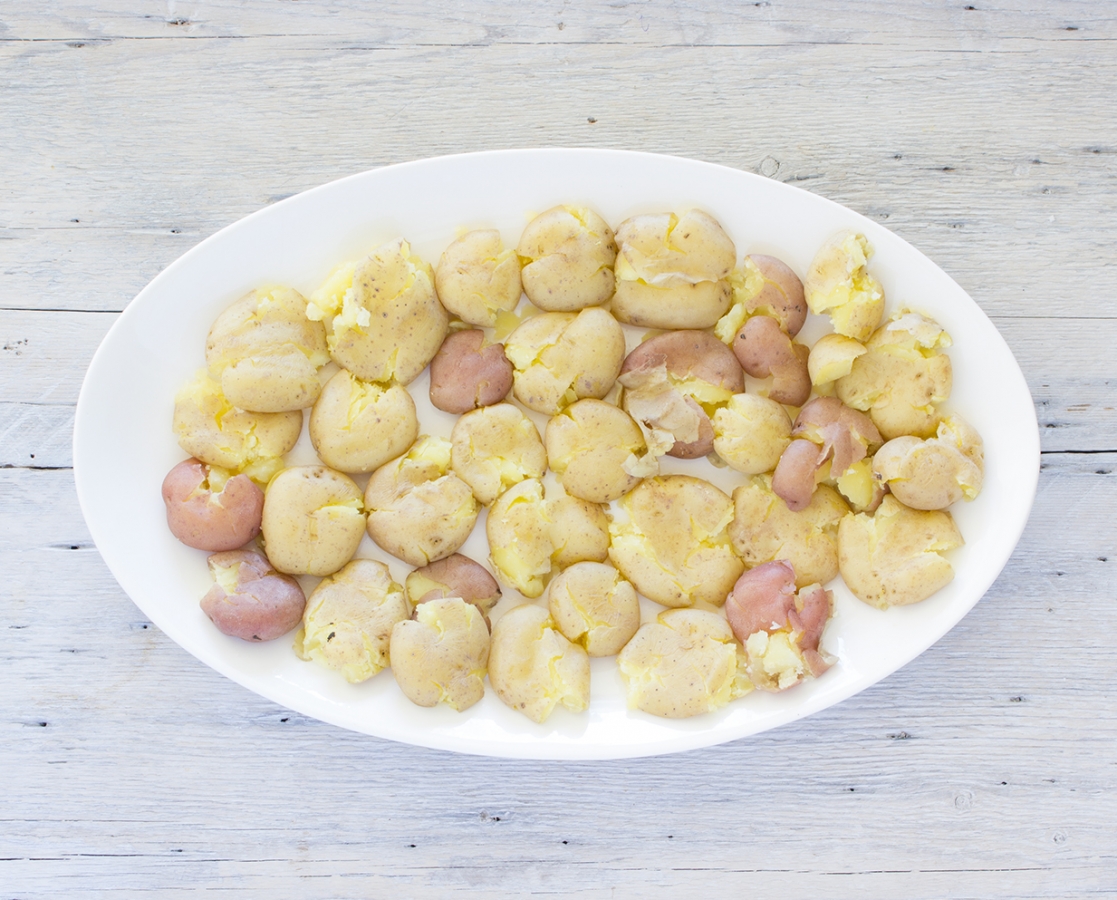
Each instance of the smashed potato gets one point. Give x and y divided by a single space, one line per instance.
209 510
672 271
559 358
750 433
214 431
779 628
670 539
477 278
764 530
495 448
266 353
441 655
596 450
454 576
763 285
533 668
681 665
903 376
468 373
894 556
349 619
673 382
384 321
567 255
249 599
418 509
594 606
839 283
932 473
357 426
313 520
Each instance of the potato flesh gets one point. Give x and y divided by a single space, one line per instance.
751 432
681 665
839 283
495 448
764 530
559 358
313 520
394 289
533 668
349 618
442 655
672 542
418 509
592 605
478 277
567 255
266 353
893 557
357 426
213 430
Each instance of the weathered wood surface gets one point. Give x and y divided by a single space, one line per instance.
986 137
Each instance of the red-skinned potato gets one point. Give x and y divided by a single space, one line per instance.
779 628
454 576
206 516
764 351
249 599
467 374
668 380
782 293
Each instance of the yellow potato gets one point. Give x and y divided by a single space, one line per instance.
670 539
441 655
313 520
418 509
594 606
567 254
672 271
893 557
494 448
596 450
533 668
839 283
902 377
212 430
384 319
477 277
357 426
348 621
751 432
932 473
266 353
681 665
562 357
764 530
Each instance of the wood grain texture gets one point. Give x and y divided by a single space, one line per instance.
984 136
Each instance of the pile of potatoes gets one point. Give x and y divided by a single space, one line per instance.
845 463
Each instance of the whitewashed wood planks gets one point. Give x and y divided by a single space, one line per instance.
984 136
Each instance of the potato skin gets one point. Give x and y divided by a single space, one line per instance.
263 605
211 520
465 374
454 576
764 350
313 520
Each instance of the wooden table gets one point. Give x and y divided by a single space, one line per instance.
985 135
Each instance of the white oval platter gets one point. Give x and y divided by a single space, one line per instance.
123 445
